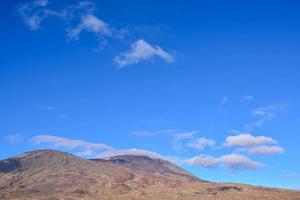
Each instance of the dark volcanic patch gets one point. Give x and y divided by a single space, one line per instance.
9 165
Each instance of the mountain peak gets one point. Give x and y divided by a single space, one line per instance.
146 164
50 174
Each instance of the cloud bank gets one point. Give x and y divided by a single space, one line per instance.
231 161
247 140
253 144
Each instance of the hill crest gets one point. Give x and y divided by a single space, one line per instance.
55 175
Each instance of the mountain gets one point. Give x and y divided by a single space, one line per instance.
55 175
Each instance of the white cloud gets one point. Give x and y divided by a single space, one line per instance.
13 138
89 149
82 147
203 161
266 150
34 12
140 51
201 143
230 161
81 17
136 152
253 144
247 140
91 23
238 162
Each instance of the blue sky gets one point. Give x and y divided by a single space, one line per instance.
210 85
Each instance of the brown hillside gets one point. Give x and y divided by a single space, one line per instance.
55 175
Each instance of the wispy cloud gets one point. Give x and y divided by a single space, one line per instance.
89 149
266 150
41 2
137 152
247 98
256 124
140 51
13 138
269 111
201 143
81 147
290 176
230 161
51 109
253 144
147 133
46 108
225 100
265 114
91 23
178 139
35 12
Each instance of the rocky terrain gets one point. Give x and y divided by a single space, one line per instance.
55 175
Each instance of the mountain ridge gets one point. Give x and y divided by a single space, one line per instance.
55 175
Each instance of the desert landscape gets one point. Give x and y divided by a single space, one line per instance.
55 175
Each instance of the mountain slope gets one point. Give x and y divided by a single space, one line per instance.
54 175
140 163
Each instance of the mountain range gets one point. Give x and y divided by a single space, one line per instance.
56 175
